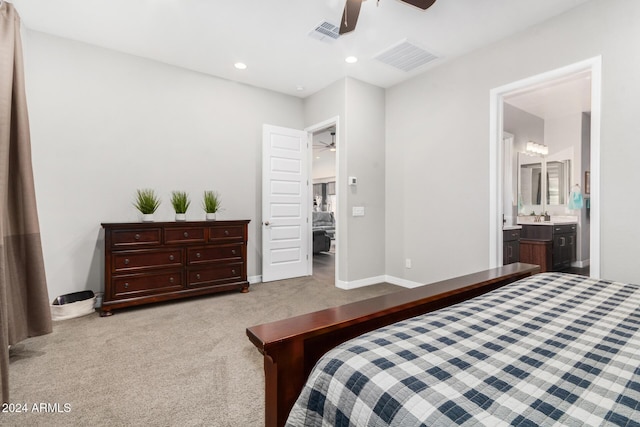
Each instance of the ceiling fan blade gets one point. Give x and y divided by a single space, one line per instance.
422 4
350 16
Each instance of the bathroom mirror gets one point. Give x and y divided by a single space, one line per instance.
557 182
530 186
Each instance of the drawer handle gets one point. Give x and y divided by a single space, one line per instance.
186 234
198 255
233 272
170 279
126 285
126 261
137 237
198 276
171 257
233 251
226 232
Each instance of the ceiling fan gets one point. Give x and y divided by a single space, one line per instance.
323 146
352 10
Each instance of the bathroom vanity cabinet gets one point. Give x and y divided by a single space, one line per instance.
559 249
510 246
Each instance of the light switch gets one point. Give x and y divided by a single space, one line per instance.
358 211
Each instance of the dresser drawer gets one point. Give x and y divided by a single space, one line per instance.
139 260
184 235
135 237
226 233
146 284
215 275
219 253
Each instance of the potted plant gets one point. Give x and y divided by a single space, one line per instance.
147 203
180 201
211 204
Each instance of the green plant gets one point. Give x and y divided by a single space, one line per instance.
211 202
146 201
180 201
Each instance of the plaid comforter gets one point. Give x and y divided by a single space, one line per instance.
553 349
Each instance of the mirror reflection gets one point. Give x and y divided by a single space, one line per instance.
532 186
557 182
530 183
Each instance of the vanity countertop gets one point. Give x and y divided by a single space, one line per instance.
555 220
511 227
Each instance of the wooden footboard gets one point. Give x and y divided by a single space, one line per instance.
291 347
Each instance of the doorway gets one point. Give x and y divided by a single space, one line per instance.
324 212
527 97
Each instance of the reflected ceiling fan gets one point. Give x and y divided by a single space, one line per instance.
352 10
323 146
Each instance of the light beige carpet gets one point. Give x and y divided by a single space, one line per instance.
185 363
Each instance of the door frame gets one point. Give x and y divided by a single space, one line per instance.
333 121
594 65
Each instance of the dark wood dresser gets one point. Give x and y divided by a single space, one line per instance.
148 262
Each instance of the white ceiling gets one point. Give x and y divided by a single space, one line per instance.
271 36
556 98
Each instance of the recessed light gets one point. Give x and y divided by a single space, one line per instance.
299 88
240 65
351 59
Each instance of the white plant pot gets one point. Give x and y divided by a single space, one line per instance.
147 217
181 217
211 216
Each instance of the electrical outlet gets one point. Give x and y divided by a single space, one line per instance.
407 263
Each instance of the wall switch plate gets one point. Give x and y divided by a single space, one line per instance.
358 211
407 263
353 180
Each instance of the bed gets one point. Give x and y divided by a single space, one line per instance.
551 349
291 347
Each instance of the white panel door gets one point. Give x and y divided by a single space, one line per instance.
285 199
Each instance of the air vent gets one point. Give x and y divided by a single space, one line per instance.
405 56
325 31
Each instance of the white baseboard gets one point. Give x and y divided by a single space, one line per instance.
402 282
342 284
581 264
376 280
360 283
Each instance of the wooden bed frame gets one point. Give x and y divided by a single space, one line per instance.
291 347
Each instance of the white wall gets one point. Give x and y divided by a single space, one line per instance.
360 153
564 138
437 158
365 136
525 127
104 124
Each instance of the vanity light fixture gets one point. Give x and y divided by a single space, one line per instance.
535 149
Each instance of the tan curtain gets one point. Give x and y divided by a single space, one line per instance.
24 305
